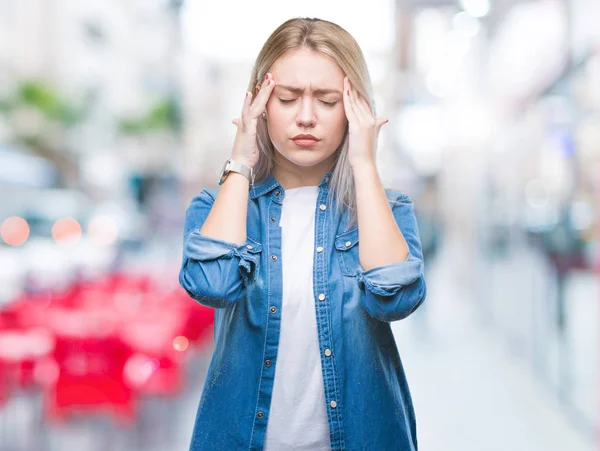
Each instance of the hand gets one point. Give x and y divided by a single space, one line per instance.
363 128
245 148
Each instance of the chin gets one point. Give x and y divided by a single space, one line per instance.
306 158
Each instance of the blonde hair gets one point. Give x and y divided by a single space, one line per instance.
331 40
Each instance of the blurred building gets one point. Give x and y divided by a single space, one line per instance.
117 63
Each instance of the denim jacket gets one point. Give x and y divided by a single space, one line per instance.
368 402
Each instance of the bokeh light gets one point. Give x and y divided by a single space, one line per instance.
66 230
14 231
180 343
102 230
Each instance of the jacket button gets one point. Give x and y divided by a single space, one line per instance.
321 297
348 243
322 207
274 258
320 249
267 363
327 352
333 404
261 415
249 246
273 309
272 219
277 193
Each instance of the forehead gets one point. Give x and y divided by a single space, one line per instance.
308 70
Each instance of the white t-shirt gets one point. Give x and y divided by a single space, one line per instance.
298 415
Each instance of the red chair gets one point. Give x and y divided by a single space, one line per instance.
90 376
157 367
20 352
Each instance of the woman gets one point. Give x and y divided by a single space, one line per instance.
306 259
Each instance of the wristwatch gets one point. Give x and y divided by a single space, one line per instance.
235 166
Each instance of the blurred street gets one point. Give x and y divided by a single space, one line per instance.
472 389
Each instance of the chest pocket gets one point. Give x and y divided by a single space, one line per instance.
346 245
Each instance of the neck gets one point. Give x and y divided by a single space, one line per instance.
290 175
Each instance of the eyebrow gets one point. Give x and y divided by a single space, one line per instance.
297 90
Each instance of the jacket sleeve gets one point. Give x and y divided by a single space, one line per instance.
214 272
394 291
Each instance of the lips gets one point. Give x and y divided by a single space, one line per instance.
305 137
306 142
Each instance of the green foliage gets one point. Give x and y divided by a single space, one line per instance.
42 97
4 106
163 116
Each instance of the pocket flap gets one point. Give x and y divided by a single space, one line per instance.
253 246
346 240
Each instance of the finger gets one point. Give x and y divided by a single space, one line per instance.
358 108
380 123
355 106
348 107
364 107
246 109
247 102
263 96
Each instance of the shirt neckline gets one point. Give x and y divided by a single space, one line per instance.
300 188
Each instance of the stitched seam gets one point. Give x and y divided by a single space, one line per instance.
262 367
347 231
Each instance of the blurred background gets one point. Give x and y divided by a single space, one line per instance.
114 114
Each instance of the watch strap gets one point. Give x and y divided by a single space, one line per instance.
235 166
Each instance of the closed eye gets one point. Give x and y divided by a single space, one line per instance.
329 104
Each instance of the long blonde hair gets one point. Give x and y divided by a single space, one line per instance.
332 40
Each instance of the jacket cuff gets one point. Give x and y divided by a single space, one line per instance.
201 248
387 280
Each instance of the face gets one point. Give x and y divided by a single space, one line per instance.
307 99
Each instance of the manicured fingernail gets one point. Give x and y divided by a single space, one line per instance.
348 91
266 76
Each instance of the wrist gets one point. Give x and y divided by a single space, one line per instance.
242 160
366 166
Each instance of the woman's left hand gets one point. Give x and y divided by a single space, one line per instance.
363 127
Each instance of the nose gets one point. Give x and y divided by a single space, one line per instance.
306 115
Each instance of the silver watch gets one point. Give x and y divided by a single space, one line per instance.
235 166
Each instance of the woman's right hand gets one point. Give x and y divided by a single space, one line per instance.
245 147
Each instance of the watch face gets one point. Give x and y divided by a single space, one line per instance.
224 171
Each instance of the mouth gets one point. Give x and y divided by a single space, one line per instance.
305 142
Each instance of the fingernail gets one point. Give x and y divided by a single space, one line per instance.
266 76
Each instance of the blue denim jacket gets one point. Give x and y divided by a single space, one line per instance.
368 402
